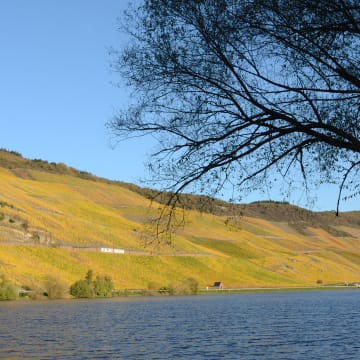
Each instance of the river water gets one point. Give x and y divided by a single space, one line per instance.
279 325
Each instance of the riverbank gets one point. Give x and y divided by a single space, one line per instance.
275 289
26 296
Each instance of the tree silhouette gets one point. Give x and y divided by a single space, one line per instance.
245 92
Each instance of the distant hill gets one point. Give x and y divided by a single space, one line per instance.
55 219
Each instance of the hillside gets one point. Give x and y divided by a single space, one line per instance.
54 219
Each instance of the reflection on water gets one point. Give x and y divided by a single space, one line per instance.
291 325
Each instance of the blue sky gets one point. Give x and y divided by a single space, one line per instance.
56 87
57 91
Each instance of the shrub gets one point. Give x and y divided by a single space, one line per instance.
192 285
25 225
82 289
103 286
2 216
171 289
187 287
87 288
89 276
55 288
62 168
4 203
36 237
7 290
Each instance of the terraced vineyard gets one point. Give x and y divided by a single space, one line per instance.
54 220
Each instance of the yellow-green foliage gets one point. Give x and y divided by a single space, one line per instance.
70 214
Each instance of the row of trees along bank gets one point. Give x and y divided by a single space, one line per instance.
100 286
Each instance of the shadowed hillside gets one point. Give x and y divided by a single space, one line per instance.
55 219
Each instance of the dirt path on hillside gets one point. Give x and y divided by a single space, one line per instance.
99 250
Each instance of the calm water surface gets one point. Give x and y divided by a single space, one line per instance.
289 325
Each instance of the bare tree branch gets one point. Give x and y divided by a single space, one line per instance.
242 92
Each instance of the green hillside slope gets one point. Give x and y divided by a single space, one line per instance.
54 220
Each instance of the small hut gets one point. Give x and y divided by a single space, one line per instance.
218 285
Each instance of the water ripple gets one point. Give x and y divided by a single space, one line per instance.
308 325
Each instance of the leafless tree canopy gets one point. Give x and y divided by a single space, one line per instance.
243 92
